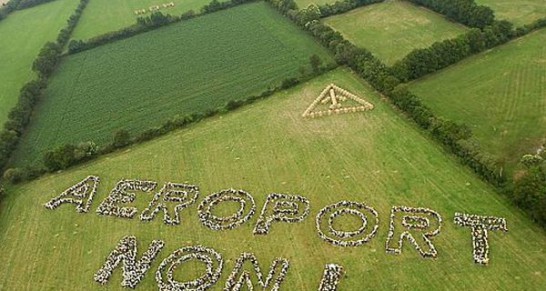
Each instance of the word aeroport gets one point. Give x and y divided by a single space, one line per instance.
416 225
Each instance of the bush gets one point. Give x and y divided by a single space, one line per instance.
60 158
85 150
68 155
121 138
289 82
13 175
234 104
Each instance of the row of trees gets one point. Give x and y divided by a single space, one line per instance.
466 12
9 7
343 6
147 23
441 54
529 189
31 92
13 5
30 3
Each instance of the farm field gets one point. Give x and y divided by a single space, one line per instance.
375 157
102 16
138 84
501 94
27 31
518 12
391 30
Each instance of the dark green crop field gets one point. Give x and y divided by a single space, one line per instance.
141 82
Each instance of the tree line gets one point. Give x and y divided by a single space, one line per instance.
529 189
466 12
150 22
13 5
7 8
44 65
30 3
339 7
441 54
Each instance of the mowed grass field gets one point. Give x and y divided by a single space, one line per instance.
189 67
392 29
22 35
518 12
501 94
375 157
102 16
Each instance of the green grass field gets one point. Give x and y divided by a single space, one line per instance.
501 94
518 12
375 157
22 35
102 16
392 29
138 84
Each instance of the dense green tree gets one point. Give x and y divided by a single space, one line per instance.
466 12
121 138
316 64
60 158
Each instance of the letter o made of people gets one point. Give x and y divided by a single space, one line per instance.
202 254
328 232
247 208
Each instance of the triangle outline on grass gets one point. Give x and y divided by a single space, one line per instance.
336 96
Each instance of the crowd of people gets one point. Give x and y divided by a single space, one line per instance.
479 226
286 209
228 222
413 218
153 8
121 195
206 255
330 278
133 270
183 194
347 238
238 278
416 222
333 94
82 195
